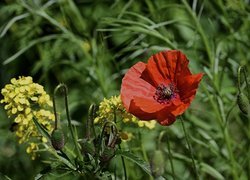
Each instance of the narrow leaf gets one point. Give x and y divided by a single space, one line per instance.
127 154
211 171
11 22
41 129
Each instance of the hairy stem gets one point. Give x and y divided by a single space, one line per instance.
65 90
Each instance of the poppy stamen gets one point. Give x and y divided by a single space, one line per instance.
163 93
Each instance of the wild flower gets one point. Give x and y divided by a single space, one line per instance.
24 101
162 89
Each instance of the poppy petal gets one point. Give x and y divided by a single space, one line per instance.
188 85
149 105
166 66
142 115
156 71
165 118
133 85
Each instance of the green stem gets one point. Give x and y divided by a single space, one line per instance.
164 134
170 157
55 113
65 89
190 148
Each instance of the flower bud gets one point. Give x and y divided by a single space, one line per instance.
57 139
157 163
243 102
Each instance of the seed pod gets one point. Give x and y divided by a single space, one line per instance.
243 102
157 163
57 139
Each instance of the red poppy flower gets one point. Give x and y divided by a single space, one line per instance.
161 89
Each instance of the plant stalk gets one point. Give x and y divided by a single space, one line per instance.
65 90
190 148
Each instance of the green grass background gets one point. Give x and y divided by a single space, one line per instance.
90 44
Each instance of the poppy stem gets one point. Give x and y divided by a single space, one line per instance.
73 134
170 158
190 148
55 113
164 134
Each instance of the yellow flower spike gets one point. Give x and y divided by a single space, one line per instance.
21 103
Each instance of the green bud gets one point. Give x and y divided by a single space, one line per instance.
157 163
57 139
243 102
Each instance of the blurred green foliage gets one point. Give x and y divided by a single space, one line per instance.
89 45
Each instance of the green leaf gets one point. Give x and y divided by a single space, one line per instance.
41 129
130 156
211 171
63 158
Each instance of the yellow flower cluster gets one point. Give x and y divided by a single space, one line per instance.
108 108
25 100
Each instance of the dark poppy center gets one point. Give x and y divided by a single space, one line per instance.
164 93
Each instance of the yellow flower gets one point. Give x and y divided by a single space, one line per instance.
25 100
